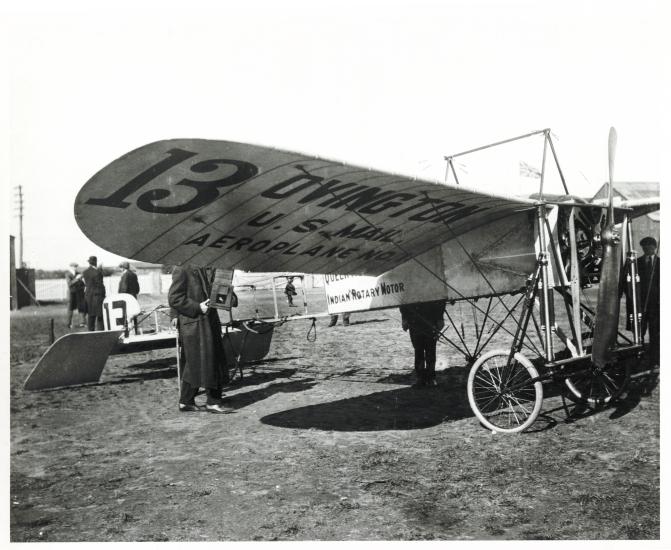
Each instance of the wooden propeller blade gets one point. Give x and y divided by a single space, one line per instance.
612 144
608 306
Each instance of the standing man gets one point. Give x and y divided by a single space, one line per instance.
425 322
94 293
128 283
648 272
202 361
290 291
75 294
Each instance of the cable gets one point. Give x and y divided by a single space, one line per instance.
312 338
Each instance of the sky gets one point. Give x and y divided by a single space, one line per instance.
389 85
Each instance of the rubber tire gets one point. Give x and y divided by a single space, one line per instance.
538 388
594 403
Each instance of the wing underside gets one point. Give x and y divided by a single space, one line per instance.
254 208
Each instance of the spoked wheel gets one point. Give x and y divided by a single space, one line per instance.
505 397
599 386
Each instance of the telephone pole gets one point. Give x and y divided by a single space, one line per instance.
19 198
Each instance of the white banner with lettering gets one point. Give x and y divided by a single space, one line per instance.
413 281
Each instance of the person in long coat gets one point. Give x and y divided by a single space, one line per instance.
128 284
425 322
94 294
76 299
202 361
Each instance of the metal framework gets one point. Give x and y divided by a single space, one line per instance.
547 140
505 387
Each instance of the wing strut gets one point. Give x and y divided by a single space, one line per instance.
547 141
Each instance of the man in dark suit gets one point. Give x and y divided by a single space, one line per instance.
128 283
94 294
202 361
648 272
425 322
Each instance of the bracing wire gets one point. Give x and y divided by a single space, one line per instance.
415 259
312 331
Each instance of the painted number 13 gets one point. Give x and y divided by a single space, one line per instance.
206 191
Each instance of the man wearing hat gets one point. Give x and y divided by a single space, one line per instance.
648 272
75 294
94 294
128 283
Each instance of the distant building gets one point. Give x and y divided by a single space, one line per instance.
643 226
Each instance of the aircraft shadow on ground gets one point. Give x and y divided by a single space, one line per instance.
398 409
410 408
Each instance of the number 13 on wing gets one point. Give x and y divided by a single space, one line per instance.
206 191
145 204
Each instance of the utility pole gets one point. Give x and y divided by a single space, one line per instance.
20 208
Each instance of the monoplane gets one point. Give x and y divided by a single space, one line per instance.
393 239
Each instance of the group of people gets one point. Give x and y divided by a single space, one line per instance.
86 292
203 362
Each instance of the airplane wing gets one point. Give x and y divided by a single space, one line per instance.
254 208
638 206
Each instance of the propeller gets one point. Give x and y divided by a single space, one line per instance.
606 319
612 144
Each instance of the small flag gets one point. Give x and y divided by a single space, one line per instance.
462 167
529 171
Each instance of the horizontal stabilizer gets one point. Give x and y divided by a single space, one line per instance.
74 359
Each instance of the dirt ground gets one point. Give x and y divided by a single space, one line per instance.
328 442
